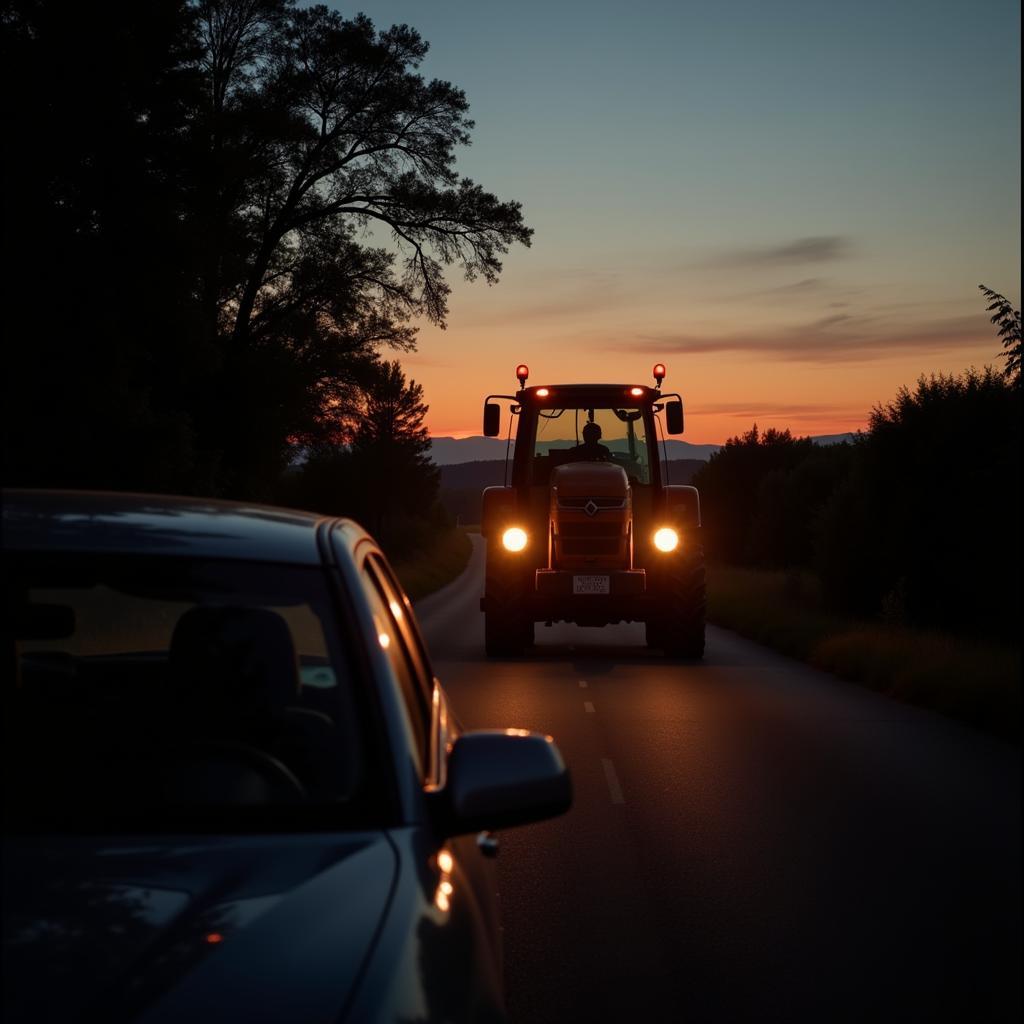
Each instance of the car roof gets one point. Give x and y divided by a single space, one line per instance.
159 524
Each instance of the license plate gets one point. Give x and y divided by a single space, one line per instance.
591 585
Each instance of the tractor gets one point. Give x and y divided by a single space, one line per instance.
588 529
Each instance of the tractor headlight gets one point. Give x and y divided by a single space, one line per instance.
514 539
666 539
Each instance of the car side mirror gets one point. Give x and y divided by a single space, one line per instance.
492 419
674 417
497 779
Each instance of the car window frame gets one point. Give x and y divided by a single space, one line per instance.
440 725
416 703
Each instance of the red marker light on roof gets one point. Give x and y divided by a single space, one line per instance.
542 392
659 373
522 372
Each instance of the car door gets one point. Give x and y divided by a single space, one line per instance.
472 868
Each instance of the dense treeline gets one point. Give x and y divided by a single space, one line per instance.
916 521
384 478
194 293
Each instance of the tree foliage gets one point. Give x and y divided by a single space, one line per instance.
227 209
384 477
1007 319
917 519
732 480
391 452
927 523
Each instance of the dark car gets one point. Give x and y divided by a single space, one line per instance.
234 790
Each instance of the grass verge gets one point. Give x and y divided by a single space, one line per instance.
441 563
973 681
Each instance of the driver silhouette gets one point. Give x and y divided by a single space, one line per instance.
591 449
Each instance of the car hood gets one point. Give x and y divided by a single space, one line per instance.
190 928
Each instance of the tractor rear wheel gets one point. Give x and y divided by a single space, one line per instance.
501 638
506 630
654 633
680 632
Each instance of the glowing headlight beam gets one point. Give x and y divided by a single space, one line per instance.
666 539
514 539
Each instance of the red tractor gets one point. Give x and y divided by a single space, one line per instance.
590 530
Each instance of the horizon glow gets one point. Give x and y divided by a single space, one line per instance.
791 205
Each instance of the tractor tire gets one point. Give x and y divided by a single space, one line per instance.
680 633
502 639
528 632
506 630
654 633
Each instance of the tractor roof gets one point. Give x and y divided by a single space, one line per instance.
577 394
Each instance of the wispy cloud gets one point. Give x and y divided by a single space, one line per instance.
815 249
566 293
839 337
808 284
415 359
750 411
812 287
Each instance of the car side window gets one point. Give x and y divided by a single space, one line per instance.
387 613
414 639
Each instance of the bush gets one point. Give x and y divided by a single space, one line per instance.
927 522
761 493
976 682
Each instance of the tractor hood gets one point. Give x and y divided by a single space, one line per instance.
591 513
589 479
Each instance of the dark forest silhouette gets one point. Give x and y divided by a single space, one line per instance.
917 520
194 294
384 477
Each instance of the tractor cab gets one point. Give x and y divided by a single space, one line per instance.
589 510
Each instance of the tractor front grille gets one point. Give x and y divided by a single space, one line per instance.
599 503
590 529
595 547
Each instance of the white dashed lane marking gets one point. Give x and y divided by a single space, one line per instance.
614 786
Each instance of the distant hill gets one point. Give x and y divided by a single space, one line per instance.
473 474
462 484
834 438
450 451
446 451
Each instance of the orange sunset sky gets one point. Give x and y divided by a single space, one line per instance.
790 204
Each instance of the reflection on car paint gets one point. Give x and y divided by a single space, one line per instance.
442 896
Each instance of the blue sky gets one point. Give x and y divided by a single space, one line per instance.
791 203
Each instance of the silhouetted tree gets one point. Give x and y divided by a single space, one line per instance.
316 128
787 503
383 476
391 451
1007 319
197 289
101 340
730 482
921 520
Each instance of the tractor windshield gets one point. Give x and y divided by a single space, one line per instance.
616 435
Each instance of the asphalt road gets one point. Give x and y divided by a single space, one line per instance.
751 840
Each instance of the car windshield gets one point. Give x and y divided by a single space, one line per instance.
572 434
166 693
